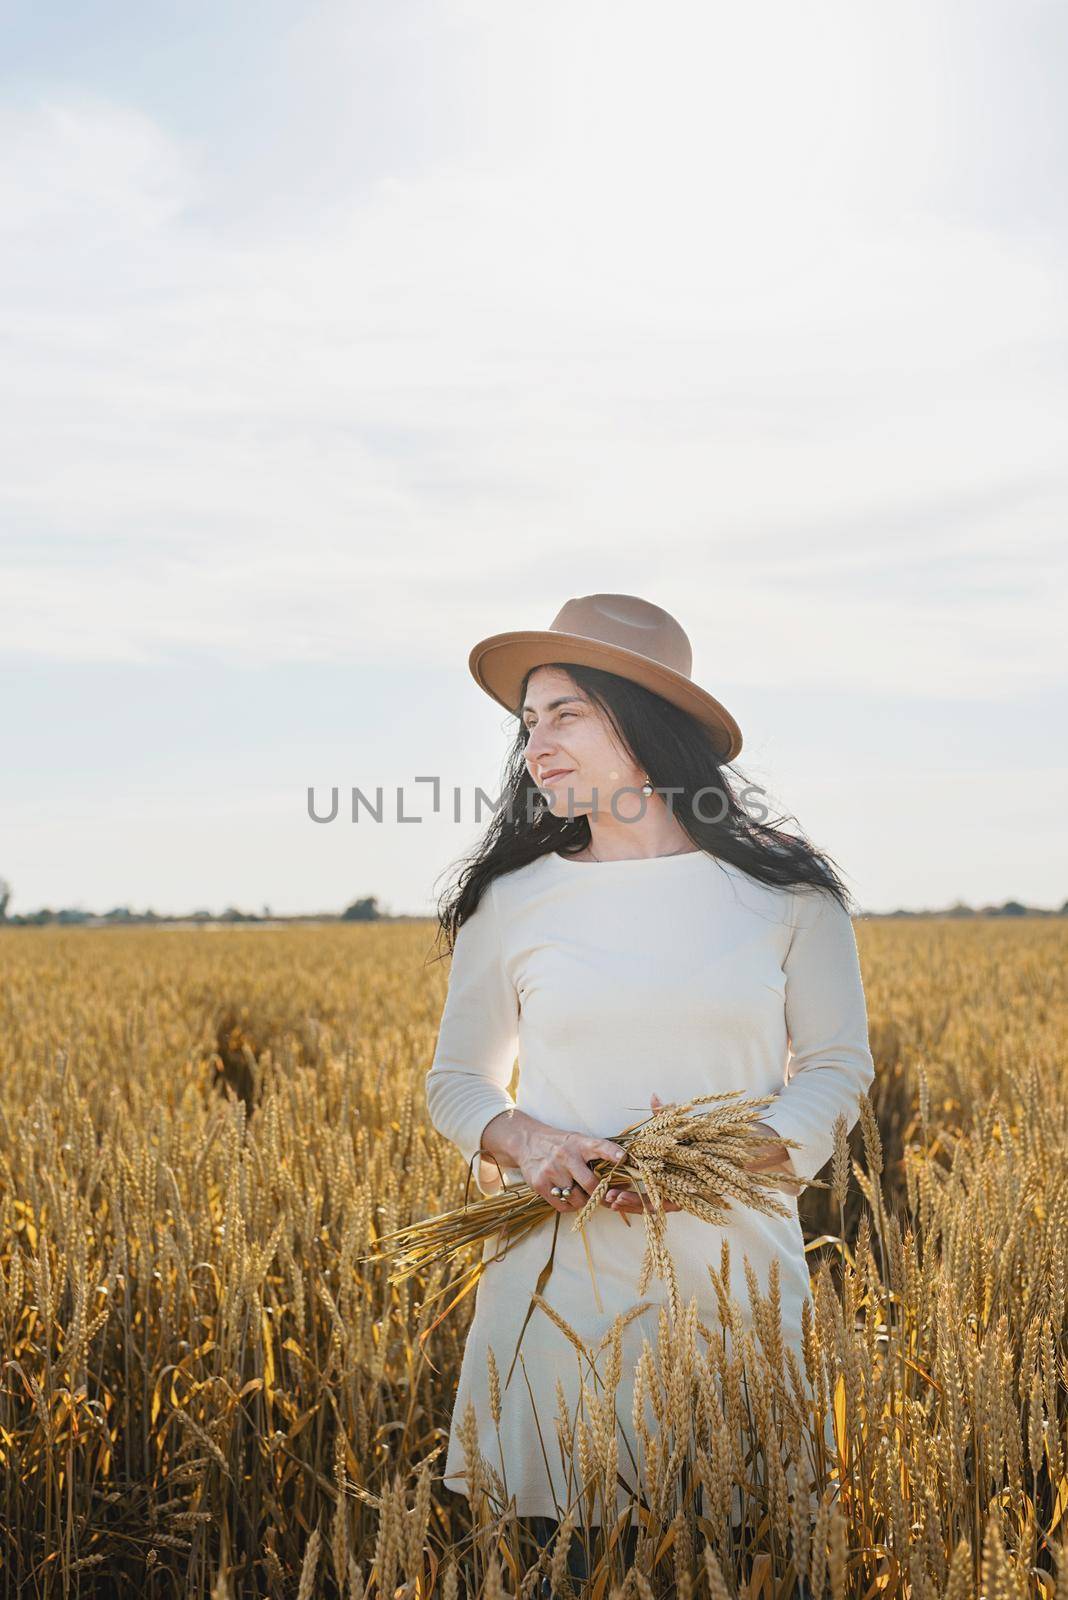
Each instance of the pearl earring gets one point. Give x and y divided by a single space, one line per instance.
647 786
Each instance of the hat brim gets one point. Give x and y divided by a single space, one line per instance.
499 663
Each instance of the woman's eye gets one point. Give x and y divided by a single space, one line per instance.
528 728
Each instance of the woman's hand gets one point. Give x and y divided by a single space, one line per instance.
629 1199
551 1158
771 1157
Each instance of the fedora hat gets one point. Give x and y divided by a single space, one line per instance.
619 633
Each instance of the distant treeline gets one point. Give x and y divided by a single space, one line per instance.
1011 908
367 909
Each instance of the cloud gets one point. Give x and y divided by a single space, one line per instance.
718 340
76 171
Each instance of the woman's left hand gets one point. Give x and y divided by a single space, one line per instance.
772 1156
627 1199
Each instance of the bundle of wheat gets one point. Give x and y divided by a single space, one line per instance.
698 1162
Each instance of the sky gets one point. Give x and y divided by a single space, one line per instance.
336 337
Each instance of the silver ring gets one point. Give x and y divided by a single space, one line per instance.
565 1192
555 1189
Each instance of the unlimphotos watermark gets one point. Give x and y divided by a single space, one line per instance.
708 804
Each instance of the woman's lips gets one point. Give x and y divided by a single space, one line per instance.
563 773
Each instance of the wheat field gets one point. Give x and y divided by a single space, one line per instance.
205 1392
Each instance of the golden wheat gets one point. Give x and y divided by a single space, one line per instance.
209 1388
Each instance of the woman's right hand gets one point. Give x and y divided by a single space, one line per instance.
550 1157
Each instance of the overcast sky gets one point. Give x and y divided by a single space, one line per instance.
337 336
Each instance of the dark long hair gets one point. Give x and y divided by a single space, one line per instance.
679 754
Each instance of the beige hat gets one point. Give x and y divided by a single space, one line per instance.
619 633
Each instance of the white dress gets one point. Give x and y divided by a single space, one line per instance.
678 974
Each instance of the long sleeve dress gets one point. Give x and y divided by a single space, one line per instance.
678 974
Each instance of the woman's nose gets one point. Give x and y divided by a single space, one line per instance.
537 756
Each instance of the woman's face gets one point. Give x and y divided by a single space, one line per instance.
575 736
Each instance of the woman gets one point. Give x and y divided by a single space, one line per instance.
639 938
